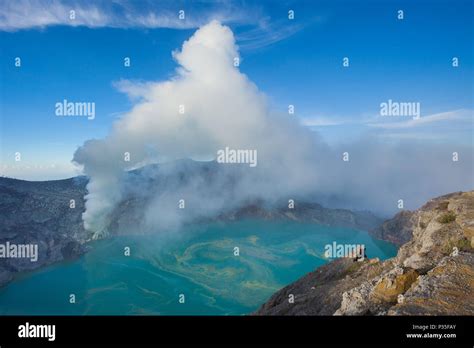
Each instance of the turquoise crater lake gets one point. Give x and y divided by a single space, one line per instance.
198 262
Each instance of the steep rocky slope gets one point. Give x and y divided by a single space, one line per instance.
397 230
432 274
40 213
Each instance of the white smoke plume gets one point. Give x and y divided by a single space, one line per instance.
223 108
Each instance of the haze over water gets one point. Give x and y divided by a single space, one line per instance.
198 262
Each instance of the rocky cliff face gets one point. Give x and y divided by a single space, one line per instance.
432 274
307 212
40 213
397 230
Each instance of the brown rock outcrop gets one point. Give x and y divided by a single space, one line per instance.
432 274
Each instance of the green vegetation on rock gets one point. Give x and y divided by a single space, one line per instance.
447 217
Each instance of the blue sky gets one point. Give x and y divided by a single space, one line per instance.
295 62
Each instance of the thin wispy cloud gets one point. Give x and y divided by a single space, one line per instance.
26 14
33 14
267 33
40 14
455 117
328 121
320 122
461 115
451 126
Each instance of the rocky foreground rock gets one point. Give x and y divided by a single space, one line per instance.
432 274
